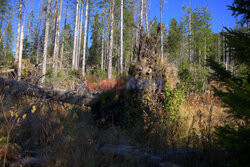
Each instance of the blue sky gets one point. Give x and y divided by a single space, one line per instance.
173 9
218 8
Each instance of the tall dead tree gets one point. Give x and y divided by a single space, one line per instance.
227 54
189 31
56 47
121 47
103 33
62 47
45 48
18 29
75 36
161 10
146 15
80 36
223 45
218 47
142 11
111 40
85 37
19 71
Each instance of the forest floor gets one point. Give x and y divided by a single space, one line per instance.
46 132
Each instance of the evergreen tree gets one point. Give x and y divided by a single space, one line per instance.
95 49
29 39
174 39
128 31
235 136
8 42
6 36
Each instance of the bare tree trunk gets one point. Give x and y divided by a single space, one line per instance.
112 6
142 7
38 32
103 33
56 47
45 48
223 50
227 57
87 44
80 37
218 48
161 10
75 36
146 16
62 48
189 31
85 37
121 58
223 45
21 51
18 30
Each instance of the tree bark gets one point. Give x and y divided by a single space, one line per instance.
80 38
56 47
103 33
18 29
189 32
75 36
121 47
146 16
111 40
142 7
85 37
161 10
223 45
19 71
45 48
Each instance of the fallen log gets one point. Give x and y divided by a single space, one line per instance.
7 71
17 88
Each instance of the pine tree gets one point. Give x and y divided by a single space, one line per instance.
95 49
63 36
235 136
8 42
30 37
6 36
174 39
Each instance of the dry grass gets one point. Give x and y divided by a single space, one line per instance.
203 112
